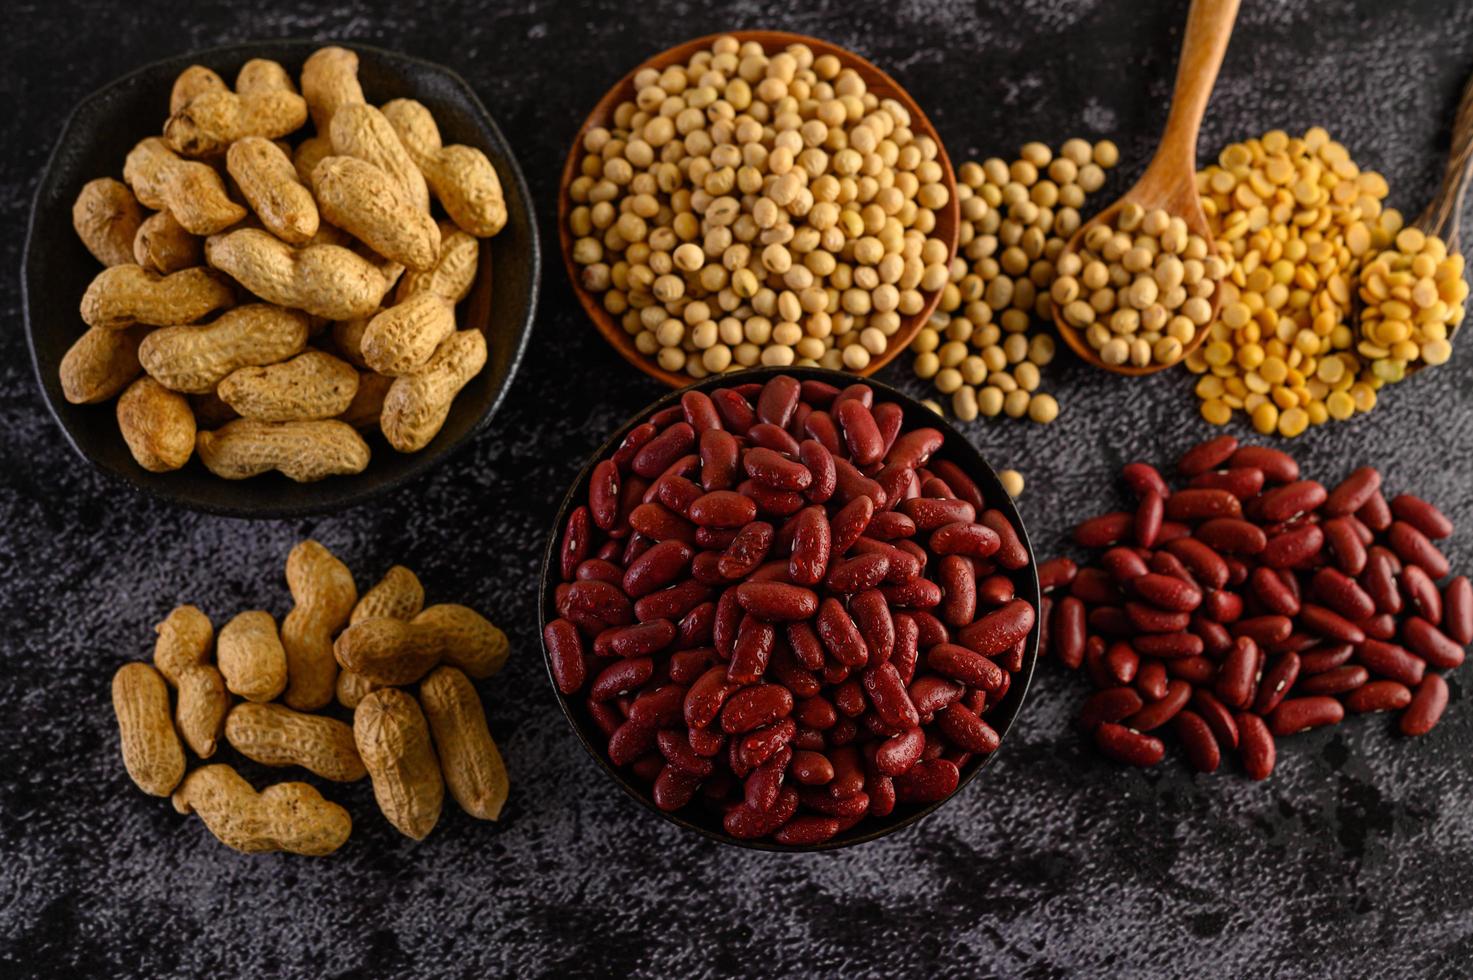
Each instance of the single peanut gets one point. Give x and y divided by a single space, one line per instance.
323 280
165 246
418 404
186 637
106 217
394 743
391 651
192 82
269 183
274 735
366 202
194 359
312 385
124 295
191 191
360 130
200 713
151 750
461 176
265 103
157 424
324 593
402 339
100 364
301 451
285 817
366 409
469 760
329 82
398 595
250 656
453 273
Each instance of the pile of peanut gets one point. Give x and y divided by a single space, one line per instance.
264 690
754 207
980 348
332 285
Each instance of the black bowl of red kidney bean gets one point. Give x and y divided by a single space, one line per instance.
789 609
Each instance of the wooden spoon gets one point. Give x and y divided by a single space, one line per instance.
1444 214
1170 180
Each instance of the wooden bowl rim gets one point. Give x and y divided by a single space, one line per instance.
948 219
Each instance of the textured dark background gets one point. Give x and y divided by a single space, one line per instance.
1355 859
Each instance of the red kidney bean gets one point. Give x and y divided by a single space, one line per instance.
1167 592
999 629
1292 548
1270 589
1379 582
1157 713
1217 716
1264 630
659 566
774 470
1142 478
1150 680
1193 670
898 754
1149 619
565 655
967 729
687 665
675 746
700 411
1129 747
1379 696
746 551
621 677
723 508
1255 746
1056 573
1343 594
1421 515
1301 714
964 665
860 432
1011 553
603 494
1428 703
965 539
890 525
1277 465
1421 592
840 635
656 455
1345 544
1382 626
1242 482
1109 706
963 486
629 742
1457 610
1339 680
777 602
1216 639
1231 535
1237 678
857 574
1331 625
1353 492
1168 645
632 443
1323 658
1093 586
674 788
600 600
752 651
755 706
928 781
959 582
1208 455
1201 504
1069 631
848 524
639 640
1413 547
812 768
1122 661
576 540
1105 530
1290 500
1276 682
778 400
1124 564
1391 661
807 831
1197 738
1205 564
1171 531
1376 513
1431 644
1148 518
719 460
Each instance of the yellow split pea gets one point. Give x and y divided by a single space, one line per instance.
753 207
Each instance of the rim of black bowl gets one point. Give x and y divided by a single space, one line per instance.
258 497
969 458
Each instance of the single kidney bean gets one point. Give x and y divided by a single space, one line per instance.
1129 747
965 539
746 551
886 691
1302 714
1270 589
1122 661
871 614
819 462
1379 696
1143 478
723 508
1202 504
958 580
1231 535
778 400
1237 677
1216 640
629 742
961 485
744 823
1069 631
1124 564
565 655
857 574
1148 518
603 494
752 651
1343 594
930 513
755 706
1375 513
1352 493
1197 739
1382 626
659 566
1412 547
658 523
1193 670
850 483
1149 619
1264 630
1056 573
1255 746
919 594
898 754
1379 581
1422 593
1421 515
1094 586
1168 592
1159 712
889 417
930 693
1434 646
1105 530
777 602
700 411
577 537
964 665
812 768
840 634
968 729
1011 553
812 546
621 677
915 447
1111 705
674 788
774 470
1242 482
1428 703
633 442
1277 465
1457 610
1217 717
848 525
1293 548
675 746
1168 645
1109 620
906 650
890 525
1150 680
999 629
1339 680
1333 626
656 455
1205 564
639 640
1346 545
1323 658
1276 682
861 433
1391 661
807 831
600 600
928 781
720 455
1208 455
687 665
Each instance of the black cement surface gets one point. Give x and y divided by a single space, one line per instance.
1356 859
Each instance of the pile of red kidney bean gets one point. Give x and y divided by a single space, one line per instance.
1253 604
776 604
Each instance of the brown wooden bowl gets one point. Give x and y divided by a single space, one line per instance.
948 219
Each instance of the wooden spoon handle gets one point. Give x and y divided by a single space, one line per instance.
1444 214
1209 25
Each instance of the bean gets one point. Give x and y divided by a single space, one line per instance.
1208 455
1104 530
964 665
1217 717
1379 696
1148 517
1333 626
1343 594
1379 582
1236 680
1323 658
999 629
1301 714
1421 515
1255 746
1122 661
1292 548
1167 592
1457 606
1150 680
1143 478
1124 564
1391 661
1011 553
777 601
1129 747
1277 465
1197 739
1428 703
1056 573
968 729
1421 592
565 655
1276 682
1431 644
1231 535
1205 564
1413 547
1353 492
1339 680
1202 504
1242 482
928 781
1111 705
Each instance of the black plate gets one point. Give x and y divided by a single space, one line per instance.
955 448
95 141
